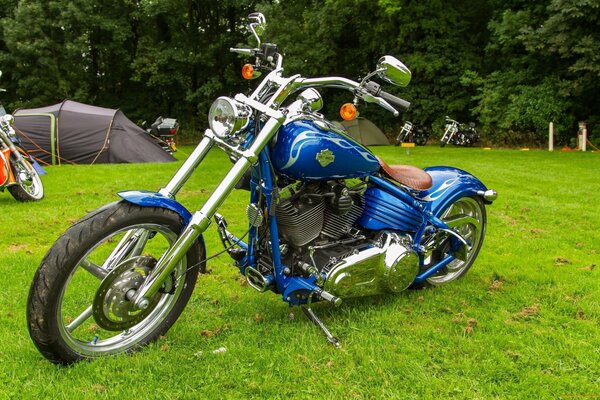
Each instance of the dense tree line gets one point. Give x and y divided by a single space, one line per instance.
511 66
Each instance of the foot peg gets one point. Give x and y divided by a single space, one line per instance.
312 316
257 280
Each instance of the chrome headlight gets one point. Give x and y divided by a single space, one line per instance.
227 117
7 122
7 119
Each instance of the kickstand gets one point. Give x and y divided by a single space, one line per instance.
311 315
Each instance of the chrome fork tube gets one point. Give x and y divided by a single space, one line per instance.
188 168
201 219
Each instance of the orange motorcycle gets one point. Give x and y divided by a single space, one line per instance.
19 172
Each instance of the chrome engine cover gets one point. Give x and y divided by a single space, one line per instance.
389 265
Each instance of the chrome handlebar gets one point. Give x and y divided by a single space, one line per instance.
359 90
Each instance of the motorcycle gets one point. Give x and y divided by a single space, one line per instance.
164 131
458 134
412 133
327 220
19 172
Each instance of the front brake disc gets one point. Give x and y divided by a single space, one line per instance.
111 308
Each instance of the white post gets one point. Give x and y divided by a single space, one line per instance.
551 137
582 136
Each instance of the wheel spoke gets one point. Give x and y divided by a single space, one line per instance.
84 316
94 269
131 245
143 236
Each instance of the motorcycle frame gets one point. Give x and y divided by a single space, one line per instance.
278 88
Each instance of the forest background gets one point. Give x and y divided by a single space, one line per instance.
511 66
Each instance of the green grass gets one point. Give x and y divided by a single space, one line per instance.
524 323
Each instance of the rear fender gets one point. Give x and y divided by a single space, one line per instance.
450 184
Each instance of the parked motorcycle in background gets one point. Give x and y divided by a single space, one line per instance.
405 134
411 133
19 172
327 220
459 134
468 135
164 131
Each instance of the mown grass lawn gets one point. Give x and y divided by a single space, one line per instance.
524 323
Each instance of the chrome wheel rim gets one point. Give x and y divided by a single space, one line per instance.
471 226
29 180
76 323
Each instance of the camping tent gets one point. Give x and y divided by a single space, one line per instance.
76 133
364 131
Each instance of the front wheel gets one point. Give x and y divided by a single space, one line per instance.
28 185
78 306
467 217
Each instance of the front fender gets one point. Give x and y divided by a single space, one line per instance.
152 199
449 184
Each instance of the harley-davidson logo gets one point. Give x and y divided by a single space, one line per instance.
325 157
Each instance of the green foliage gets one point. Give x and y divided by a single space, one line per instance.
511 66
544 69
519 113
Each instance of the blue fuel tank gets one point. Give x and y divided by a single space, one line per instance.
312 149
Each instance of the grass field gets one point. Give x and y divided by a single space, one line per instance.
524 323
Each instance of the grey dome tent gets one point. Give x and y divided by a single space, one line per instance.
364 131
76 133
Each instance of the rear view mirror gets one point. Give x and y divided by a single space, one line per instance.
393 71
257 24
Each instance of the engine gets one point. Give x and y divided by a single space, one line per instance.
325 211
319 237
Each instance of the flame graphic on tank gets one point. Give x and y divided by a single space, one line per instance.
306 137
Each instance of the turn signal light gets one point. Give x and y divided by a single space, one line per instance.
348 112
248 71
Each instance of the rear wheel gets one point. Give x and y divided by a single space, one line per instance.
467 217
78 306
28 185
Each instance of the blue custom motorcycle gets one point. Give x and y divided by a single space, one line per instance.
327 221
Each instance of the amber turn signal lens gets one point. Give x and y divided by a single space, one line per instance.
248 71
348 112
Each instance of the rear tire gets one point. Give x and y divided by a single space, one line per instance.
26 189
473 230
68 283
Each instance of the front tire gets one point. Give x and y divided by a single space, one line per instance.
29 185
77 308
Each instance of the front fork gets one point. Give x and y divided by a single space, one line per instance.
201 219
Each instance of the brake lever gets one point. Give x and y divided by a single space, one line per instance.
246 52
383 103
369 98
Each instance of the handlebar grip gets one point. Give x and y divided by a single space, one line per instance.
395 101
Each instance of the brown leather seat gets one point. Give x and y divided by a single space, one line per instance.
407 175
